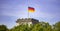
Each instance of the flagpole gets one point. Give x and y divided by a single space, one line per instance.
28 13
28 9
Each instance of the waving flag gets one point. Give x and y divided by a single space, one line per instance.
31 9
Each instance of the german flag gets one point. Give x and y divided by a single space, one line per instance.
31 9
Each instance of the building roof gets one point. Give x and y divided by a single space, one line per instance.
26 20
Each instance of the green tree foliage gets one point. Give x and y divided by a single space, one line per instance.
56 27
42 26
3 28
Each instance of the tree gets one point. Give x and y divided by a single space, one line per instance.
42 26
3 28
56 27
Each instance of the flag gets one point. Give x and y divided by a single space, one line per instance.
31 9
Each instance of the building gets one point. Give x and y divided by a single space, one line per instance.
27 21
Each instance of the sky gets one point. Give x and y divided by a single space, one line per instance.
45 10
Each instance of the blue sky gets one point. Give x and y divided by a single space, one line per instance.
45 10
